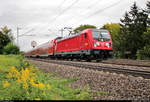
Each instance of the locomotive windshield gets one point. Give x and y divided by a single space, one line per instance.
101 35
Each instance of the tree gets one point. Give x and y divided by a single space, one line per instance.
5 37
133 25
148 6
148 12
82 27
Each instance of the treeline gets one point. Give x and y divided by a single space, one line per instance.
6 42
131 37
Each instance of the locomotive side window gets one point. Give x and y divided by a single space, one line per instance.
85 35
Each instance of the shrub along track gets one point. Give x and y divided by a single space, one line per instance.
95 66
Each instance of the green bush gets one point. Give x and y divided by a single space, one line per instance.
143 53
10 48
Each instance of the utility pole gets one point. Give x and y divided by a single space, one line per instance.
62 32
18 35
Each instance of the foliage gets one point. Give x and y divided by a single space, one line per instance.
133 25
23 81
5 37
82 27
10 48
148 6
144 53
148 12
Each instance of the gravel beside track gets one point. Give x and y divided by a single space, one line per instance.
116 86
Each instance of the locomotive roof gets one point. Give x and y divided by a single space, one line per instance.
71 36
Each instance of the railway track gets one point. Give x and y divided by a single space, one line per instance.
125 64
141 73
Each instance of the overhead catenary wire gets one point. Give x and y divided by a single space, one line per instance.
61 13
100 10
57 8
24 34
89 6
65 10
105 8
96 12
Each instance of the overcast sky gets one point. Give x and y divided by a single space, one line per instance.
44 18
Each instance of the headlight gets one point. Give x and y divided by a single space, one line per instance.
95 45
108 45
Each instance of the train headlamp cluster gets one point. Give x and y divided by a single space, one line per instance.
108 45
96 44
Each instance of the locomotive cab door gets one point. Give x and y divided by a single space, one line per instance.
84 41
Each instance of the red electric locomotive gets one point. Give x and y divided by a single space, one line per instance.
89 44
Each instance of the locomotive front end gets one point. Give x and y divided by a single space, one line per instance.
102 43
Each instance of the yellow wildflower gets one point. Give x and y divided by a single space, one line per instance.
37 98
48 86
25 85
32 83
18 80
37 70
33 74
13 72
25 74
9 75
5 84
13 68
41 85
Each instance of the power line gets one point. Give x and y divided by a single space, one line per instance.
90 6
26 33
69 7
65 10
57 8
98 11
106 8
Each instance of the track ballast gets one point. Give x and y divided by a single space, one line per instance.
139 73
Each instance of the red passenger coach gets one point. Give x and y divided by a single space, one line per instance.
89 44
45 50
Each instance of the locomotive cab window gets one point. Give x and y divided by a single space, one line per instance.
85 35
101 35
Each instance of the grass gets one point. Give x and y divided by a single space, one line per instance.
7 61
20 80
